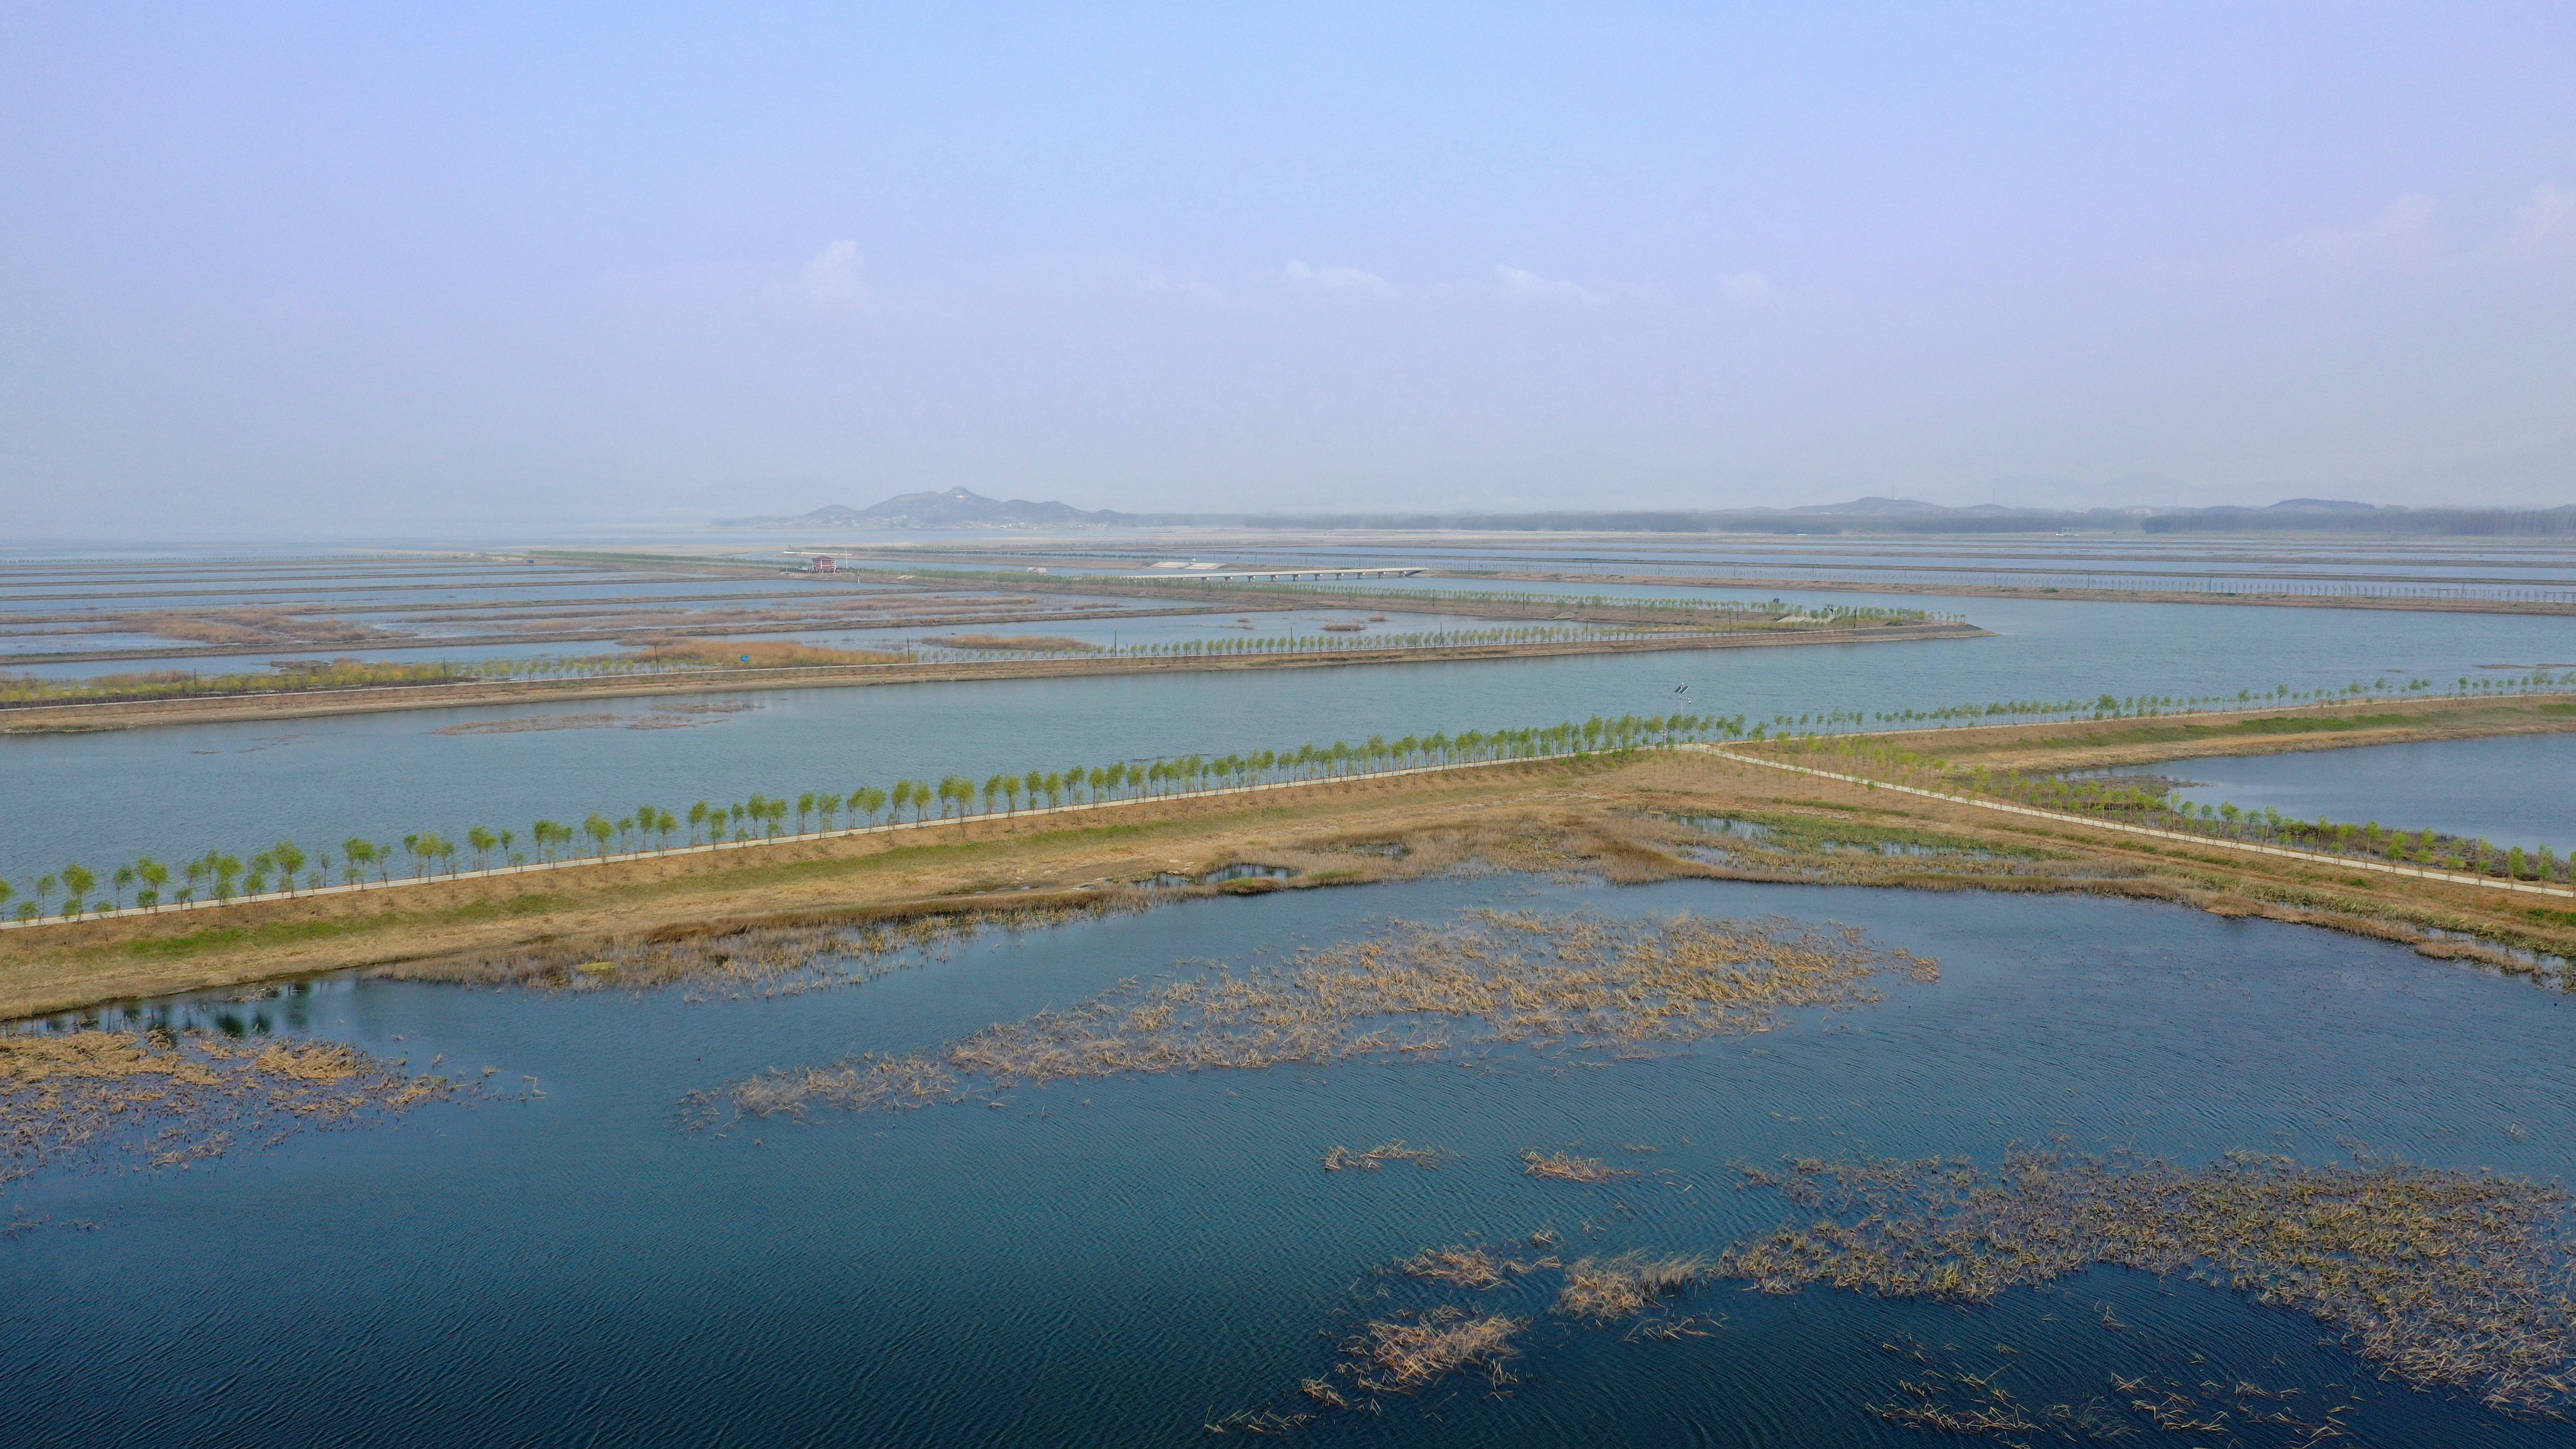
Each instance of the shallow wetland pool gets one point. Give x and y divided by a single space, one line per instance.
559 1257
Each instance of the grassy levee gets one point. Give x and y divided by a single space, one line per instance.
2086 744
307 704
1623 818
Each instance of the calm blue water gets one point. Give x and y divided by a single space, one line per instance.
1118 1262
178 792
2512 790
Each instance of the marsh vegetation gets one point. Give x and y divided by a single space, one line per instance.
2438 1278
161 1098
1573 980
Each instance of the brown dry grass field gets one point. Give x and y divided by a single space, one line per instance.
1617 818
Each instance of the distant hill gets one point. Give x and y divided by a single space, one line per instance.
960 508
945 508
1873 506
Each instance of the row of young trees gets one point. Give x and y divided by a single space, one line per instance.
285 866
2149 802
288 867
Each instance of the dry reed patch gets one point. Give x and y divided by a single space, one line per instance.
1623 849
761 654
1573 979
1427 1158
1023 643
174 1098
1946 1397
1467 1265
1606 1290
1563 1167
2461 1280
1406 1354
764 961
281 627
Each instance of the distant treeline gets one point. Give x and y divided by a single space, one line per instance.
2470 522
1641 522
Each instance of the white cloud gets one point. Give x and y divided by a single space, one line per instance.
1533 287
2544 224
1340 279
832 280
1745 289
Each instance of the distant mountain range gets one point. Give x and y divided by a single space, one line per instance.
945 508
960 508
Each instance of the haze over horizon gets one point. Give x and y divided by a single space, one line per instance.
440 268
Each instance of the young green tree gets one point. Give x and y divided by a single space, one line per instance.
601 830
482 841
804 807
124 877
77 883
290 859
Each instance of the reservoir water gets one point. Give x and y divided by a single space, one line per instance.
1123 1261
2510 789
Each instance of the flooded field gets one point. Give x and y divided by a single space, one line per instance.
1555 1229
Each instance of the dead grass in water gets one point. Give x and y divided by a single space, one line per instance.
171 1099
1561 1167
1467 1265
1426 1158
1607 1290
767 961
2451 1279
1404 1355
1575 979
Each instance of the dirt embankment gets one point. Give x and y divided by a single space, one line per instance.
1623 819
68 718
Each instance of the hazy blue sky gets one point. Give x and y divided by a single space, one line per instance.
368 265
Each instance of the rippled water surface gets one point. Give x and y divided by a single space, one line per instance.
1118 1262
